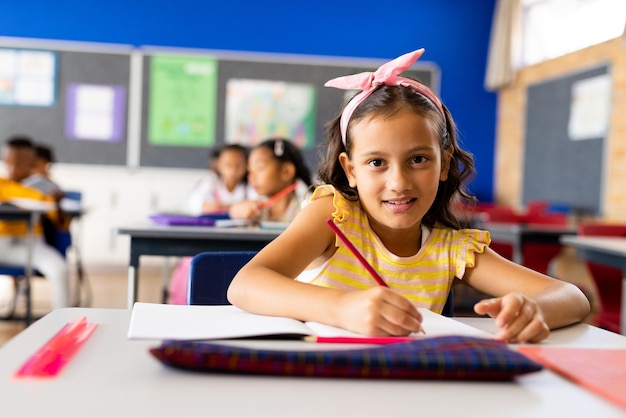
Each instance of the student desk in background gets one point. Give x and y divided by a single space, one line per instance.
113 376
183 241
32 216
610 251
520 234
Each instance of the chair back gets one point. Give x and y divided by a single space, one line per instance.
608 280
210 275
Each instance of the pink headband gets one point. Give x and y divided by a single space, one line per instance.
386 74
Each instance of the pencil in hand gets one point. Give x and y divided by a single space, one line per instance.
284 192
356 253
361 259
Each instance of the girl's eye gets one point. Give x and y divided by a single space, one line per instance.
418 159
375 163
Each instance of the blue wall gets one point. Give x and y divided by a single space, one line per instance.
455 34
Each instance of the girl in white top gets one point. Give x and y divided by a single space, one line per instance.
224 184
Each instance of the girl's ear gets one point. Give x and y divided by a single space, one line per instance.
348 168
287 172
446 157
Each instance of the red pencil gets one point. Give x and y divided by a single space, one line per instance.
358 340
356 253
284 192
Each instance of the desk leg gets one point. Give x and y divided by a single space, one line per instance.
132 286
517 251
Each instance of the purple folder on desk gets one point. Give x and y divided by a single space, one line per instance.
185 220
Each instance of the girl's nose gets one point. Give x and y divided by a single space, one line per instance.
397 179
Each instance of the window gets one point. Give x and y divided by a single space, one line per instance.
556 27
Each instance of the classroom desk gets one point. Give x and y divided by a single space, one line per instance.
520 234
32 216
113 376
610 251
187 241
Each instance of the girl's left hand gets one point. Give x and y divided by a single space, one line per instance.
517 316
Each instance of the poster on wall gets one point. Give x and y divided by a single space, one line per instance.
27 77
590 108
182 101
259 109
95 112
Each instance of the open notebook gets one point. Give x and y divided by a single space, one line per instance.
197 322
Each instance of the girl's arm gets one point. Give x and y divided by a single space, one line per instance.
266 284
527 304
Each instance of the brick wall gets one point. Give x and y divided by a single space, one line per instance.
511 118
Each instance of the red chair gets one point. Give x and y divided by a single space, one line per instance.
608 280
539 256
502 214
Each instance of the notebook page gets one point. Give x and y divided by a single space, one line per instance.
196 322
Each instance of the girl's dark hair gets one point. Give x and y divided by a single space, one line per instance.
286 152
385 102
215 154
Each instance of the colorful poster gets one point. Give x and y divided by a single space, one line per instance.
95 112
259 109
182 104
27 77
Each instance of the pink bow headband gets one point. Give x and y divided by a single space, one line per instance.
369 82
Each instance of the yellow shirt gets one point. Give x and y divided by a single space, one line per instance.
424 278
9 190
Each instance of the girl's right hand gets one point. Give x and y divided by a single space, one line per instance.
378 311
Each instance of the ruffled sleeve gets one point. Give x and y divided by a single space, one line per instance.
469 243
340 203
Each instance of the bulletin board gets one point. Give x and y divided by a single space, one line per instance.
558 167
304 78
80 129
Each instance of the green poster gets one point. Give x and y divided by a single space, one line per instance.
183 97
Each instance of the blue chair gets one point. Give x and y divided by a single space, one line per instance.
210 275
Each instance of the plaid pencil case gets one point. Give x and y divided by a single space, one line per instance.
447 357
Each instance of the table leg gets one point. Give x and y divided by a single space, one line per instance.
28 268
132 286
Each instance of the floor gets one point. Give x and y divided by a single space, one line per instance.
108 289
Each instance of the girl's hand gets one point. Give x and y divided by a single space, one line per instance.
519 318
378 311
247 209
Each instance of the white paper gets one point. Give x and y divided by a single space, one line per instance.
196 322
590 108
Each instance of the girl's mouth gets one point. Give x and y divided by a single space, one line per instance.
399 205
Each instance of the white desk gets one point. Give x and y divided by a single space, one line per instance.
112 376
610 251
187 241
520 234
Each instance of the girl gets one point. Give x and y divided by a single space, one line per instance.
225 183
393 168
274 165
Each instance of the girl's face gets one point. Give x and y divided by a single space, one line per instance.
266 174
231 165
396 166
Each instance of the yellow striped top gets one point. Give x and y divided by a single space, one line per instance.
424 278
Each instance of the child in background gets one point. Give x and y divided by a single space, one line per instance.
274 165
224 184
40 175
392 171
28 164
14 246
